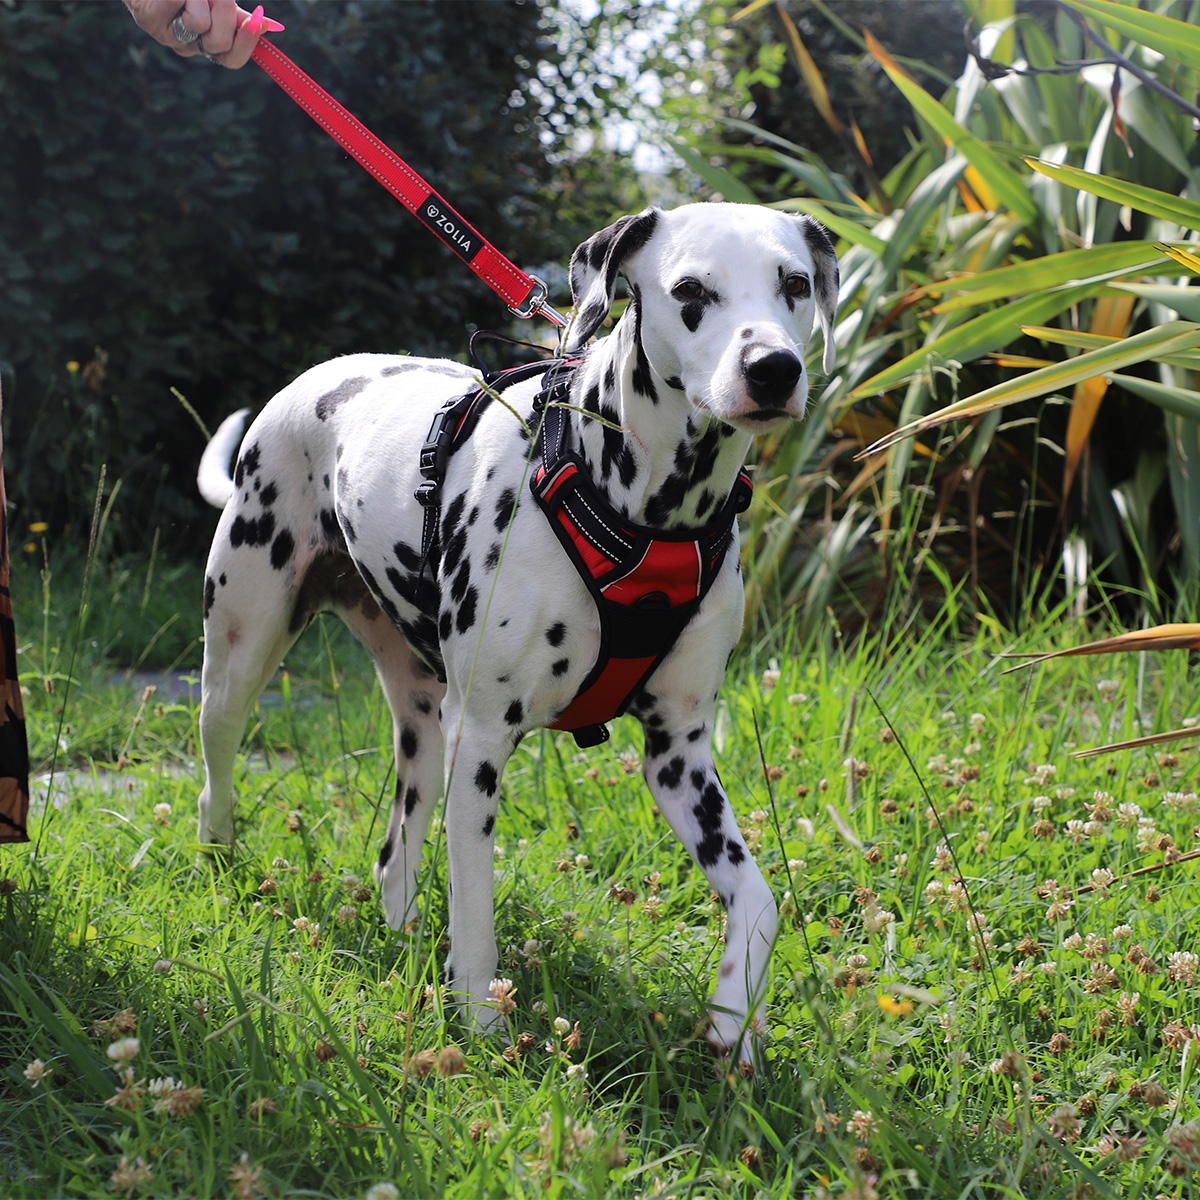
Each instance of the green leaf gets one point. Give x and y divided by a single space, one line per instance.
1183 402
720 181
1154 343
1178 40
1007 184
1144 199
1041 274
1185 301
848 230
981 335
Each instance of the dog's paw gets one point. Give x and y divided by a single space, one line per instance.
736 1040
214 855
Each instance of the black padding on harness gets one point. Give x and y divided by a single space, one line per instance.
453 423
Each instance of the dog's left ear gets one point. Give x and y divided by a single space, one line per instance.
595 266
825 283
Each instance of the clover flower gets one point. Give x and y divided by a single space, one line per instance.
131 1176
504 995
1128 814
1182 966
863 1125
246 1180
1065 1124
35 1072
382 1191
123 1051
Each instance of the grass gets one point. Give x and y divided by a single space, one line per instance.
904 785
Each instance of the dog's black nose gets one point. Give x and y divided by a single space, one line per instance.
771 378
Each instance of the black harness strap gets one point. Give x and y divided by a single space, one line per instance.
646 584
453 423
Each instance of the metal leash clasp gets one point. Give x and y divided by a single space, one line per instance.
535 304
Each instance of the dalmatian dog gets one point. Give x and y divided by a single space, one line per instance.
319 516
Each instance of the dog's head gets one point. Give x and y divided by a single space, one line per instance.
726 296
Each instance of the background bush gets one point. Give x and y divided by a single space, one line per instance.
166 225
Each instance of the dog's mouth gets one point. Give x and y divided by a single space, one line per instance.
763 415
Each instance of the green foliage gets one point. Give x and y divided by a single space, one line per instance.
976 254
964 1003
170 225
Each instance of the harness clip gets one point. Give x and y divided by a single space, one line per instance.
535 303
428 494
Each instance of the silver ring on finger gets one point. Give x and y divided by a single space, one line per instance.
212 58
181 33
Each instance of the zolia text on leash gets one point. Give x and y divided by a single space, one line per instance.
498 633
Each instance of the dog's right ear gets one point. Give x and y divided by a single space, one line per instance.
595 267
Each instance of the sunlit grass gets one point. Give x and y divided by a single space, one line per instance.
985 983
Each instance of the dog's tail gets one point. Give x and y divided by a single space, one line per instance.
213 477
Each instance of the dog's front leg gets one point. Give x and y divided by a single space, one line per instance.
679 770
475 758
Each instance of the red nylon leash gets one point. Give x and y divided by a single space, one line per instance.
524 294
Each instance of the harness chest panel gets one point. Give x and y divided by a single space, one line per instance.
647 584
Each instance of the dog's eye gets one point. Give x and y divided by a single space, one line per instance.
689 289
797 285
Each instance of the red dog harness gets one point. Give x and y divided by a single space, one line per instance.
646 584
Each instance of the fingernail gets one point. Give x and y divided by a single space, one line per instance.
254 22
270 26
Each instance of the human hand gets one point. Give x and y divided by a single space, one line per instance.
214 29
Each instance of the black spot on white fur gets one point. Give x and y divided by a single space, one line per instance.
708 811
408 741
332 400
464 619
282 549
486 778
252 531
247 465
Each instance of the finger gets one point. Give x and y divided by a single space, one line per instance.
224 17
249 31
155 17
193 20
188 25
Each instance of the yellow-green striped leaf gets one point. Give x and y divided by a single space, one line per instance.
1178 40
1172 337
1144 199
1006 183
981 335
850 231
1040 274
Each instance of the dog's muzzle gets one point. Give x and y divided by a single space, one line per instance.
771 377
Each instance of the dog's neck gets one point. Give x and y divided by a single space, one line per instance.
655 459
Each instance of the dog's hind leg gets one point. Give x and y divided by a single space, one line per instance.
414 696
246 633
476 753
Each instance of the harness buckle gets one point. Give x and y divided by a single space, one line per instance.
428 494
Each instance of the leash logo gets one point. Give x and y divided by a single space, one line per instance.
450 227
